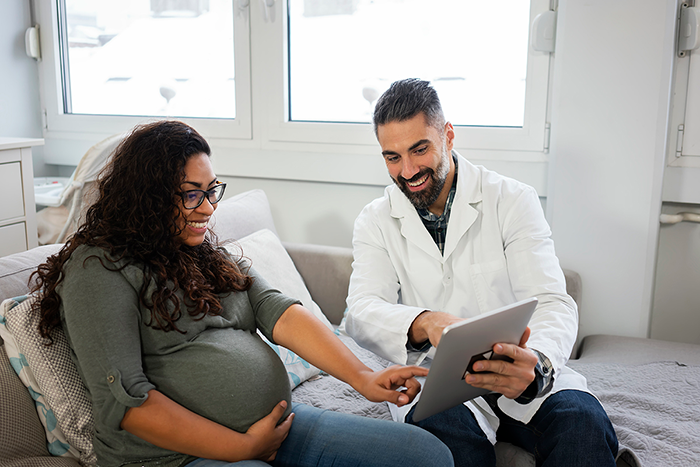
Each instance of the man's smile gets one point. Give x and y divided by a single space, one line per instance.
418 182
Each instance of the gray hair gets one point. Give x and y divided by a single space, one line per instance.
404 100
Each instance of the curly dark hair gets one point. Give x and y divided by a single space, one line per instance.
135 221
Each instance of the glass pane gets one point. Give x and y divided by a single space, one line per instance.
150 58
344 53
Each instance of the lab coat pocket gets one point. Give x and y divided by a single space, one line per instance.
492 284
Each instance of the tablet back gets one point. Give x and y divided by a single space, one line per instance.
461 345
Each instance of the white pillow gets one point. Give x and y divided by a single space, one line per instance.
273 263
51 378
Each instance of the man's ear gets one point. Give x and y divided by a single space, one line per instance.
449 136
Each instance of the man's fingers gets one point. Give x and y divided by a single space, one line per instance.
509 386
505 350
525 337
514 352
509 378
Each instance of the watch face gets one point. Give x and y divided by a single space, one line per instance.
543 369
544 366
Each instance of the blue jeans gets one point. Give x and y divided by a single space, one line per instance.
325 438
570 429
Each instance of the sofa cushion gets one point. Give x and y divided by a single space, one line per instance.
20 430
636 350
15 269
326 271
52 379
242 215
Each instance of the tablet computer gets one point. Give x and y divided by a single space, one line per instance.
460 346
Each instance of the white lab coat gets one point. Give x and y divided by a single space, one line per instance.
497 251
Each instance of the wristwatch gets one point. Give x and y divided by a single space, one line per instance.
544 368
544 380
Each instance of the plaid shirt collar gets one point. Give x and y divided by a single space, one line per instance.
437 225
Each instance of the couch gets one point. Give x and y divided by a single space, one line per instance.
323 274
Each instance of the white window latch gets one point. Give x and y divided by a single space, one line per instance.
31 43
242 8
268 8
544 31
688 37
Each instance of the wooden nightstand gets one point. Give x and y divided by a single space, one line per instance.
17 210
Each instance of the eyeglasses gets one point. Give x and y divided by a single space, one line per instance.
192 199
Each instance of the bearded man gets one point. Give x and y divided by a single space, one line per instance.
450 241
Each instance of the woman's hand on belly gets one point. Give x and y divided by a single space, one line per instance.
160 421
266 436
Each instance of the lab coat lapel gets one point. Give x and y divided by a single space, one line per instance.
412 228
463 214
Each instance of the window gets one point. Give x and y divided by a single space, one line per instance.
138 60
340 55
268 81
107 66
681 178
368 44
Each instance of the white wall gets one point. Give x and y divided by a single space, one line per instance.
20 109
310 212
612 78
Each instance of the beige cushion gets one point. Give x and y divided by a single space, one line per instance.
242 215
16 269
326 271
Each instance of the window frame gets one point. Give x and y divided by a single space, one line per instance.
685 73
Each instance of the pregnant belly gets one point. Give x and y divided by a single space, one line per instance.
229 376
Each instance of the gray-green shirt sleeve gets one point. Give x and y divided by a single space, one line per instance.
101 320
268 303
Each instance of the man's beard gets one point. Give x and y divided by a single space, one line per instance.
436 181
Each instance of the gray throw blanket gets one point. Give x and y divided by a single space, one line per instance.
654 407
329 393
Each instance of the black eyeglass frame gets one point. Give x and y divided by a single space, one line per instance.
205 194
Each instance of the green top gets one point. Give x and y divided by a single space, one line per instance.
219 367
